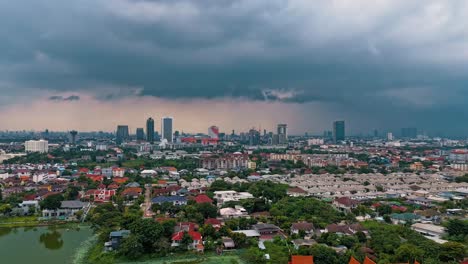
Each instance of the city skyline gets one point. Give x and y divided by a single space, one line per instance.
304 63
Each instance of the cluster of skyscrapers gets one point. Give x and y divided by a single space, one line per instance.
167 134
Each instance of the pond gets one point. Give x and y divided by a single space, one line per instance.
51 245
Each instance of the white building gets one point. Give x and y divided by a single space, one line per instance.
315 141
390 136
102 147
226 196
41 146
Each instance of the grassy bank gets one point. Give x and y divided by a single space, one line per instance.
193 258
32 221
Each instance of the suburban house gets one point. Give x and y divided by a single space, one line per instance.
307 228
344 229
227 196
118 172
297 192
115 239
268 231
433 232
303 243
214 223
131 192
190 229
228 243
66 211
404 218
236 212
175 200
345 204
203 198
100 195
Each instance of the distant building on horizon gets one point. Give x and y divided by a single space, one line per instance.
254 137
338 131
213 132
282 131
73 134
41 146
166 129
390 136
150 130
140 133
122 134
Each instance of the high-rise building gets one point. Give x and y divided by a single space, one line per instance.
282 131
409 132
41 146
254 137
122 134
213 132
338 131
140 133
73 134
150 130
166 129
389 136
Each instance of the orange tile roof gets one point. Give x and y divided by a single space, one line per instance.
353 261
367 260
302 260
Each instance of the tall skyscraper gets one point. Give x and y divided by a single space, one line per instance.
338 131
122 134
282 131
166 129
150 130
213 132
140 133
73 134
254 137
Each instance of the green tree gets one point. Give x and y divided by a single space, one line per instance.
207 210
52 202
384 209
408 252
131 247
324 255
452 251
147 231
457 229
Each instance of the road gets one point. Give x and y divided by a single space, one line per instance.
147 204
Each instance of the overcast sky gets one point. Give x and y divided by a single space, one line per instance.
94 64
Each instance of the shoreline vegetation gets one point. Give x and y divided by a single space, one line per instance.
32 221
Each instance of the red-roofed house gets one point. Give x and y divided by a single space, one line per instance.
345 204
99 196
367 260
120 180
295 259
83 170
214 223
132 192
118 172
177 238
203 198
352 260
95 178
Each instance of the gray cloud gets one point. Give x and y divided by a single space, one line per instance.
371 59
61 98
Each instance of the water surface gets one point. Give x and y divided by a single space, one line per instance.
49 245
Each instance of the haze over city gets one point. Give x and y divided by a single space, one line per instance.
91 65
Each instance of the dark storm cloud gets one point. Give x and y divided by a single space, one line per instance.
373 58
61 98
